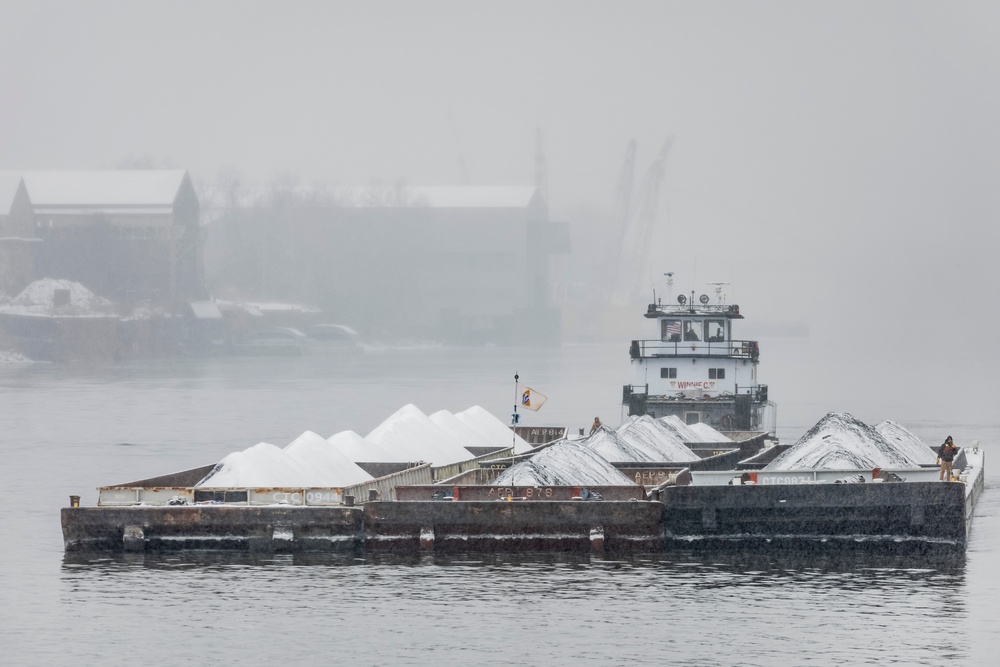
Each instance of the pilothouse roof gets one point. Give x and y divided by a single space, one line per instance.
729 310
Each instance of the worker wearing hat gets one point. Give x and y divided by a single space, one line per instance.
946 455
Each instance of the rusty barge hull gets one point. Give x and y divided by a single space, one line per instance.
377 526
682 517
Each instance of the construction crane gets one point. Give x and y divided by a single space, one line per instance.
619 225
635 220
541 170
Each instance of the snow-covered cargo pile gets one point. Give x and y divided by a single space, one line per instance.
657 442
565 463
707 433
409 433
905 441
308 461
681 431
612 447
40 298
408 436
492 431
359 450
839 441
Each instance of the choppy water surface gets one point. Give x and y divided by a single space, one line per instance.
69 430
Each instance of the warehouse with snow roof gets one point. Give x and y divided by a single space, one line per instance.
130 235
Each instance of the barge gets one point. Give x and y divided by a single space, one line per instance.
671 506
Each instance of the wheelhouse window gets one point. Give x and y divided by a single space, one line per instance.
715 331
670 330
691 329
670 373
716 373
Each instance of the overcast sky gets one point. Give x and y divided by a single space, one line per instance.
837 160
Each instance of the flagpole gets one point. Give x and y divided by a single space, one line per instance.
513 431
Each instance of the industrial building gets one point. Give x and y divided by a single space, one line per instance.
129 235
452 264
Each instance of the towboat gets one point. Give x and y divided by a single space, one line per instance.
694 366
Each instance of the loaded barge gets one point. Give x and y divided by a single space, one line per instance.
693 504
722 496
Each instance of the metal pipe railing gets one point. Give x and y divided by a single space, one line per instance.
736 349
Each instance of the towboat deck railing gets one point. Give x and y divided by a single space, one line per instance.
756 392
735 349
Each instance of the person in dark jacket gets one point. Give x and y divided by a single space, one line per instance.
946 454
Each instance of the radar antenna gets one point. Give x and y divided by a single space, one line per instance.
718 292
670 284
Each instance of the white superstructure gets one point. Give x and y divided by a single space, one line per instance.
694 366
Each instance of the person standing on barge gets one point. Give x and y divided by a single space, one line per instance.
946 454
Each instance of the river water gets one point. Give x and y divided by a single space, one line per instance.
68 430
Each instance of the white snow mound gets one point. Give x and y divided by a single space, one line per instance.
492 428
262 465
36 299
565 463
839 441
660 442
683 432
612 447
411 434
359 450
325 462
708 434
905 441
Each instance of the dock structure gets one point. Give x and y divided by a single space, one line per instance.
692 508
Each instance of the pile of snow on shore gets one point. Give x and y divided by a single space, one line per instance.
37 299
840 441
12 357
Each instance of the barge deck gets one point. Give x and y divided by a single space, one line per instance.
691 509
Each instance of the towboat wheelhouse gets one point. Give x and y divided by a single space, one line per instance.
695 368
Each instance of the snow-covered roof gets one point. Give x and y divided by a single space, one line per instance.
8 191
103 188
436 197
215 200
206 310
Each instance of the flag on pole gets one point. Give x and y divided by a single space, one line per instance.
531 399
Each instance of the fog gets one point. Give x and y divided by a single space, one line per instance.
836 162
